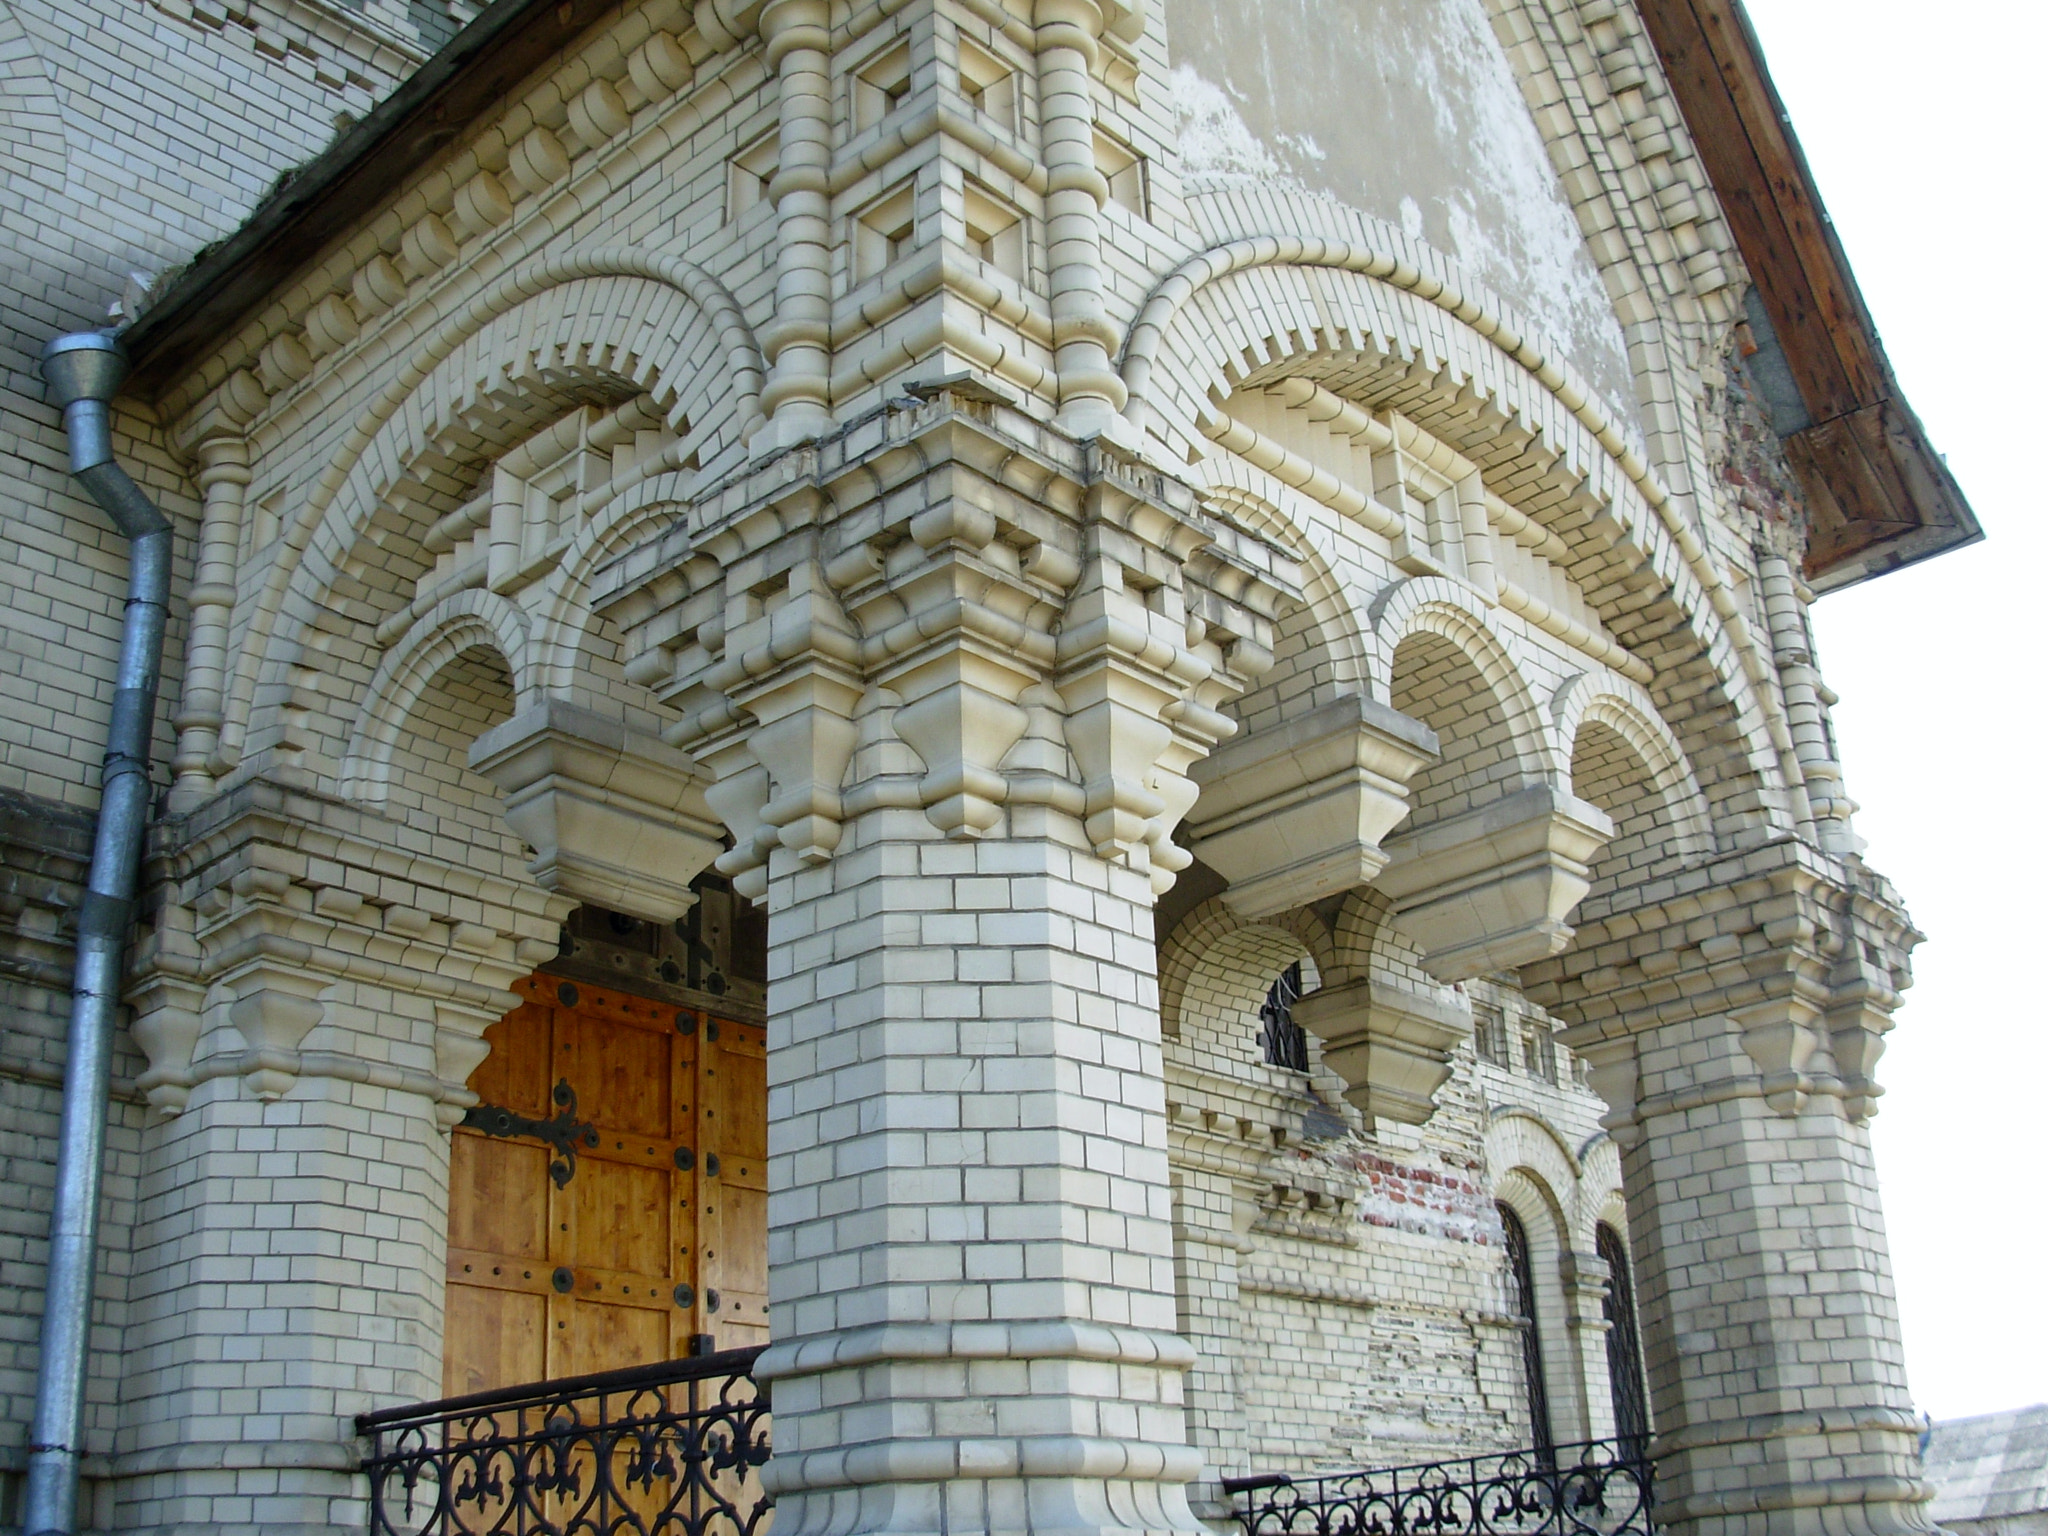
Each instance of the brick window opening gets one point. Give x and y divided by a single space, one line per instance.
1522 1294
1284 1042
1490 1034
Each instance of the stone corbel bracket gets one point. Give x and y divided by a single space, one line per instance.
169 1013
1391 1046
614 816
1491 889
1585 1279
275 1007
1865 989
1171 619
1296 813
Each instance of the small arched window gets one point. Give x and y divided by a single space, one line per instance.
1282 1039
1522 1278
1624 1347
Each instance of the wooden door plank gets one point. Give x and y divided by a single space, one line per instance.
491 1338
622 1264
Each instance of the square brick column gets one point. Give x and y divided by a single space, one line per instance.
947 671
311 1003
1732 1028
971 1264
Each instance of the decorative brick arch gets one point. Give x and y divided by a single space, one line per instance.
563 620
630 320
1165 342
457 625
1330 632
1600 1193
1519 1138
1258 303
1442 615
1617 705
1214 938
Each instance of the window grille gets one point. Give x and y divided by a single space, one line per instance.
1539 1053
1522 1281
1624 1347
1282 1039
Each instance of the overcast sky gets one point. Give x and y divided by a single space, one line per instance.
1924 126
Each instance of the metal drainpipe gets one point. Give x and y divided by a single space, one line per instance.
83 371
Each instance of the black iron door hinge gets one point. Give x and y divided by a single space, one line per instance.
565 1133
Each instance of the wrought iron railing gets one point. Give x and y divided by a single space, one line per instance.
1597 1489
673 1449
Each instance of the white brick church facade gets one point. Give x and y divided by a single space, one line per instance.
948 548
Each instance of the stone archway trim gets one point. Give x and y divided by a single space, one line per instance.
1169 296
743 358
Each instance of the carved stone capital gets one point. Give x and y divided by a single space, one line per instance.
1026 620
1584 1279
275 1007
1613 1073
1492 889
1170 619
459 1049
1296 813
166 1023
1804 958
273 902
1392 1047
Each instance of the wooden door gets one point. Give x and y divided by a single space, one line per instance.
608 1195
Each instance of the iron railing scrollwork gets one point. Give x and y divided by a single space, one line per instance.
1595 1489
673 1449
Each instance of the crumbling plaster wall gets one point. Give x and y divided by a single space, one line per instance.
1347 1290
1410 111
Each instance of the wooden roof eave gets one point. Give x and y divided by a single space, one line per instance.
322 200
1879 495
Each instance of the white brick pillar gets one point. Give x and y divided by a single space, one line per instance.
1582 1282
948 693
310 1016
1732 1029
971 1265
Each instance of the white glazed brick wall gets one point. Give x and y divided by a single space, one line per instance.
288 1277
134 135
130 135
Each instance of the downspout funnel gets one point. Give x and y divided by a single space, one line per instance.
83 371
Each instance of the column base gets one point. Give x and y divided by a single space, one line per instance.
1025 1387
1755 1477
942 1504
